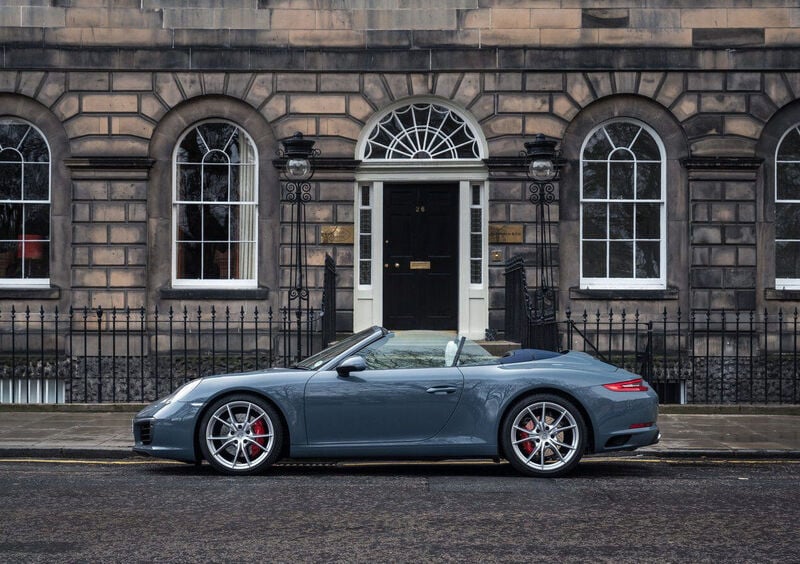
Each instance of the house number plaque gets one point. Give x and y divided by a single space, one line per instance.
505 233
336 234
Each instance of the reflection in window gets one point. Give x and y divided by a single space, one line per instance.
24 204
787 210
215 206
623 217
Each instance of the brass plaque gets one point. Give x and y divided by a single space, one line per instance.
337 234
505 233
420 265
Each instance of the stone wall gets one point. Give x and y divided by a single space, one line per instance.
405 23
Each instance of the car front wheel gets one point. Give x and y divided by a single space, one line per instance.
240 435
544 435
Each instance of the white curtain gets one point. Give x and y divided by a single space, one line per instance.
248 195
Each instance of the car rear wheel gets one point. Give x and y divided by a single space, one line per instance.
544 435
240 435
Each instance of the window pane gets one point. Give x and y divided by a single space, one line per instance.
475 220
215 222
648 221
620 221
10 175
215 183
645 147
366 221
34 149
788 181
620 259
787 221
594 259
11 133
189 182
648 181
217 135
190 223
790 146
787 259
10 222
37 181
364 273
621 185
37 220
595 180
365 196
192 148
365 242
189 260
647 259
597 147
622 133
10 263
595 218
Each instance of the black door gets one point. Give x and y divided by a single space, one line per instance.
420 255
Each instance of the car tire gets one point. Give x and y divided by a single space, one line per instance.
240 435
543 435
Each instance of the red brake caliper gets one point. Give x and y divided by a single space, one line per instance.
527 446
258 429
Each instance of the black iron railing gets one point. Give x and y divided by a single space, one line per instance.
712 356
131 355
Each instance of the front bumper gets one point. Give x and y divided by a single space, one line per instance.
166 430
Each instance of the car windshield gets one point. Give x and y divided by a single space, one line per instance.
324 356
422 349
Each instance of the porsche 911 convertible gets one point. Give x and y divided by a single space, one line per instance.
406 395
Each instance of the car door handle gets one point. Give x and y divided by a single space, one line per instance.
442 390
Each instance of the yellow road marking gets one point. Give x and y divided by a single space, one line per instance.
73 461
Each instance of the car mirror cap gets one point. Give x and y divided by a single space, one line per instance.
351 364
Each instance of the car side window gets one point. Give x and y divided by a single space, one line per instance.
405 350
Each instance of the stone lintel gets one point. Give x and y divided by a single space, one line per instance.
109 168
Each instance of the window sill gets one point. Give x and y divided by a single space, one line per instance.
576 293
773 294
214 293
30 292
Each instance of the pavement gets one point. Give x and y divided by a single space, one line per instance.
87 431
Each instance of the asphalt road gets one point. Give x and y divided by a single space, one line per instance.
611 510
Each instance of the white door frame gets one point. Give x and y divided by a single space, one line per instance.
473 298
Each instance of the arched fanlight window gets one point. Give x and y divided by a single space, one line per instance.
24 204
787 210
623 214
215 211
422 131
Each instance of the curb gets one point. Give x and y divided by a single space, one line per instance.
68 453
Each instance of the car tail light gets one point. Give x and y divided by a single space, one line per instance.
641 425
635 385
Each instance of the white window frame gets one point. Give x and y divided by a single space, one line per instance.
36 282
251 282
597 283
784 283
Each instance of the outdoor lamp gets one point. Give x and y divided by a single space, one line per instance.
543 162
298 152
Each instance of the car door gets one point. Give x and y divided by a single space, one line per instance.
380 406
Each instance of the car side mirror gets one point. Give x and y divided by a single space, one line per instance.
351 364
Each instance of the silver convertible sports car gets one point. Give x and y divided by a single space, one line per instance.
406 394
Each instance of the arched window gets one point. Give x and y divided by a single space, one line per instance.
215 210
623 215
422 131
787 210
24 204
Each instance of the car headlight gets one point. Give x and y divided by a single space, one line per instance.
183 391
